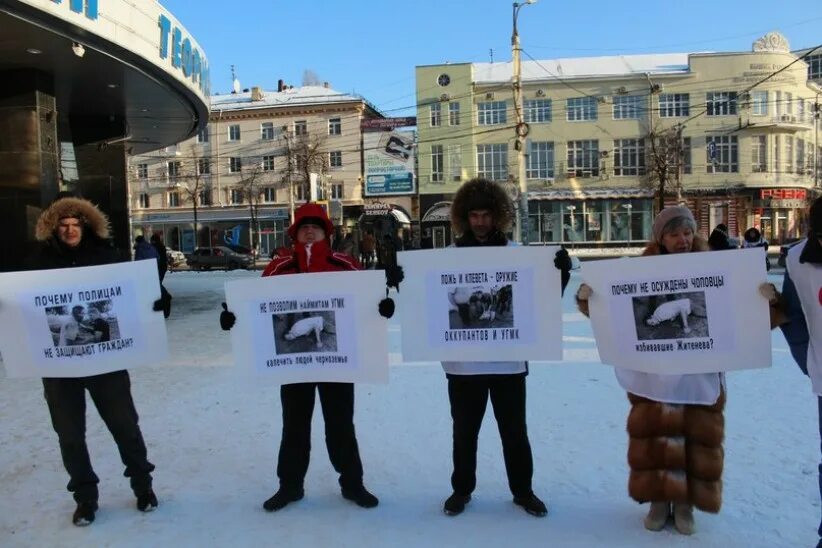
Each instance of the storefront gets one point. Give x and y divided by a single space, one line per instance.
781 213
591 219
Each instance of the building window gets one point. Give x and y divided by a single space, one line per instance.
335 159
303 192
267 131
234 132
777 158
583 158
268 162
203 166
173 169
436 164
269 194
204 197
814 66
337 191
455 162
202 135
788 102
540 160
453 114
788 154
720 103
492 162
236 196
235 164
673 105
174 199
629 157
581 108
759 154
726 154
436 115
142 171
335 126
300 127
686 156
491 113
537 111
759 103
800 156
627 107
145 202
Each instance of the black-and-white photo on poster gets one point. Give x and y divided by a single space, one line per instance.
473 307
301 332
82 323
671 316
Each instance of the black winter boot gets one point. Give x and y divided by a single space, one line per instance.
455 504
361 497
532 505
84 513
147 501
282 498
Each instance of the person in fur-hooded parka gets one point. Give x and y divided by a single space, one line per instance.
480 194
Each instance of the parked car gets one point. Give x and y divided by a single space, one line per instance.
175 258
783 252
221 257
242 249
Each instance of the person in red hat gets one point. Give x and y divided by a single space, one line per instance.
311 252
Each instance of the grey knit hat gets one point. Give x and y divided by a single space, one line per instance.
669 214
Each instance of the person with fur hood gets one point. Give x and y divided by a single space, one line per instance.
311 252
74 233
481 213
676 424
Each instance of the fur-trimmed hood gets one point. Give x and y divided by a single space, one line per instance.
481 194
93 219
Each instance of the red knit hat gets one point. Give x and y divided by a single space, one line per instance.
313 213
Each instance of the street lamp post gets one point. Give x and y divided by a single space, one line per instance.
522 127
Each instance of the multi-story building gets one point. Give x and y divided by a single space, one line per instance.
262 154
735 136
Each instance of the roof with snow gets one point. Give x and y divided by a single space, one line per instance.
305 95
582 67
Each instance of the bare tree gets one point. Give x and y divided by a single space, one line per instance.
305 154
195 176
665 157
252 184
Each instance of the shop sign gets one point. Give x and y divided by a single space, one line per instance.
376 209
788 204
783 194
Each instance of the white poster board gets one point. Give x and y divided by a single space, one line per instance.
76 322
481 304
317 327
681 313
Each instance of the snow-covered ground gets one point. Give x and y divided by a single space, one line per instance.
214 437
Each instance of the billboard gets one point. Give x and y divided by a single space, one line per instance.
389 163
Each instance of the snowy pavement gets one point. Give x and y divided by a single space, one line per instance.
214 434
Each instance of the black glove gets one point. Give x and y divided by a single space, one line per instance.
393 276
563 262
386 307
227 319
158 305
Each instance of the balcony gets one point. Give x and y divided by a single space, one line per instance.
781 123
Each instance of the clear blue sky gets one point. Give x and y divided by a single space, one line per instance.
372 47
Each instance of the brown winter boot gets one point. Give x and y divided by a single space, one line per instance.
657 516
684 518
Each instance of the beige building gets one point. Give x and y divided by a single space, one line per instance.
734 135
262 154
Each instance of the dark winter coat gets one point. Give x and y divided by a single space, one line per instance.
94 249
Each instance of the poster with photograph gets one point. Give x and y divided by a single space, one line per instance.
682 313
481 304
318 327
77 322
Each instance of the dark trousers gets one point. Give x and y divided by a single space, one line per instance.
111 394
337 401
819 404
469 398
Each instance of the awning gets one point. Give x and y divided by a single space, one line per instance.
604 194
438 213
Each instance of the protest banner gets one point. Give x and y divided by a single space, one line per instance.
77 322
481 304
317 327
682 313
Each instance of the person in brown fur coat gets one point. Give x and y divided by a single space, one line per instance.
676 423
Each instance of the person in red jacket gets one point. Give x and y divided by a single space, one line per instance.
312 253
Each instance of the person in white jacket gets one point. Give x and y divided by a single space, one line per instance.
481 213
